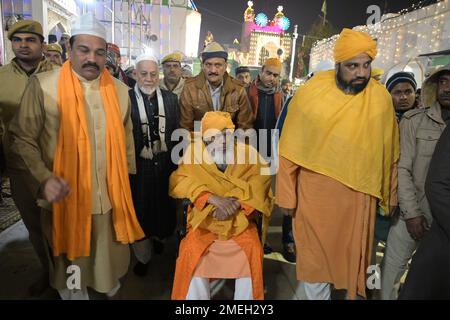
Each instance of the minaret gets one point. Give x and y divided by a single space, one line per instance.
247 27
278 16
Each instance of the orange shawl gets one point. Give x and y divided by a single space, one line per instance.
72 216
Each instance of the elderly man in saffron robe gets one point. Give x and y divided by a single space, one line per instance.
228 185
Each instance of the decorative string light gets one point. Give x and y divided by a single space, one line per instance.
261 19
413 31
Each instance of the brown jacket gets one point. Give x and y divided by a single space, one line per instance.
196 100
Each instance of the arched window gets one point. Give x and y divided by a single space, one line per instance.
263 56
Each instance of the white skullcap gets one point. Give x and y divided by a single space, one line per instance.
187 67
146 57
89 25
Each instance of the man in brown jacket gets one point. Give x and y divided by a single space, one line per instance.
214 90
420 130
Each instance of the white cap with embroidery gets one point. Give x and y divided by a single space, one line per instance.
87 24
146 57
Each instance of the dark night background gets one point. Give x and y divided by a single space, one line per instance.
224 18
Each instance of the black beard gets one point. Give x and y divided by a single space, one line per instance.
31 59
349 87
172 81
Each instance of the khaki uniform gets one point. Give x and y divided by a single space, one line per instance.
196 100
178 88
13 81
420 130
34 134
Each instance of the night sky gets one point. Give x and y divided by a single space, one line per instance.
224 18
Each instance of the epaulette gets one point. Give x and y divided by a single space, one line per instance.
411 113
4 68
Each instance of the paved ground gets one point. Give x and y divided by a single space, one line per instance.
8 211
19 268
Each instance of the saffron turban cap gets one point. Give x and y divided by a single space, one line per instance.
273 62
352 43
216 120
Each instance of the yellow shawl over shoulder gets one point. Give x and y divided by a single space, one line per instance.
243 181
351 138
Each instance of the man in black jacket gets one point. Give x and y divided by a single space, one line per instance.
429 276
155 115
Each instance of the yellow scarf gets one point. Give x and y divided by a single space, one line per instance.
72 217
242 181
351 138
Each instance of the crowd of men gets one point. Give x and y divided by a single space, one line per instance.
89 150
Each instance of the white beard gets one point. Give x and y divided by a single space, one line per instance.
148 91
221 160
